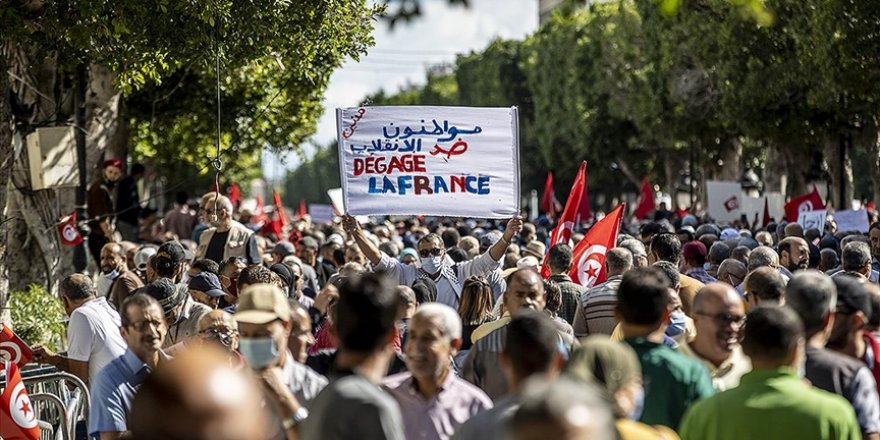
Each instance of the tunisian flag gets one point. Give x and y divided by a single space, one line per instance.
12 348
588 257
17 417
548 201
811 201
646 201
562 232
70 235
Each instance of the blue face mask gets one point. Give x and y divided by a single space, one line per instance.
677 323
639 405
258 352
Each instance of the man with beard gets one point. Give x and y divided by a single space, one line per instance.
848 335
814 297
226 237
100 207
794 254
434 264
719 316
433 401
112 393
121 282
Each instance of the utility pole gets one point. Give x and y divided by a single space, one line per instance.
80 257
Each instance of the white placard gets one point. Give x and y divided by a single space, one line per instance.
852 220
725 200
439 161
812 219
321 213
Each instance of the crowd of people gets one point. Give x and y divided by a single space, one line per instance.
444 328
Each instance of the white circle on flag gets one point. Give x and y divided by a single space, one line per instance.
10 352
590 264
805 206
21 409
69 233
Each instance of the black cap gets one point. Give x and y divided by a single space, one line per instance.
208 283
169 256
167 293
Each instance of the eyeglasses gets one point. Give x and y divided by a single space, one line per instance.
726 318
142 326
222 335
425 253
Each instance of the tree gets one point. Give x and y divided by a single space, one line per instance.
158 58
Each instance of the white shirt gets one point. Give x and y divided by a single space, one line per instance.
93 335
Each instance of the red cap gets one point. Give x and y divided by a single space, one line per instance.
113 163
693 249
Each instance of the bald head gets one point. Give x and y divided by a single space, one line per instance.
525 290
217 318
715 293
199 395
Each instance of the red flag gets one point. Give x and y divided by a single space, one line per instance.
279 208
870 206
12 348
303 210
588 257
766 220
562 232
235 194
70 235
808 202
17 417
646 201
548 201
584 211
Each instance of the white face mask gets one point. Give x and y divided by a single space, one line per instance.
432 265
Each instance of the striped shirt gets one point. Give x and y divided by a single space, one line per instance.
596 312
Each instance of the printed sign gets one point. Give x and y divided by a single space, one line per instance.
438 161
852 220
724 200
812 219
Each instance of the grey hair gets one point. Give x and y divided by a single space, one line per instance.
719 252
856 255
763 256
635 247
448 317
812 295
619 260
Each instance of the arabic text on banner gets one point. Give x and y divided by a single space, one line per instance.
442 161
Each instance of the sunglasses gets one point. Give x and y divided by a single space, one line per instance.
425 253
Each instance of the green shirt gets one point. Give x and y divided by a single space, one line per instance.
673 382
772 404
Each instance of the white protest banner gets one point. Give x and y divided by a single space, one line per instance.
812 219
438 161
725 200
852 220
321 213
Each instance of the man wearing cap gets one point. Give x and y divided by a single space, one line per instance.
495 278
182 313
449 278
205 288
100 203
694 254
848 335
307 251
123 282
226 237
264 323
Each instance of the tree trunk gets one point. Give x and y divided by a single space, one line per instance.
839 160
34 251
731 161
6 159
870 138
775 169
